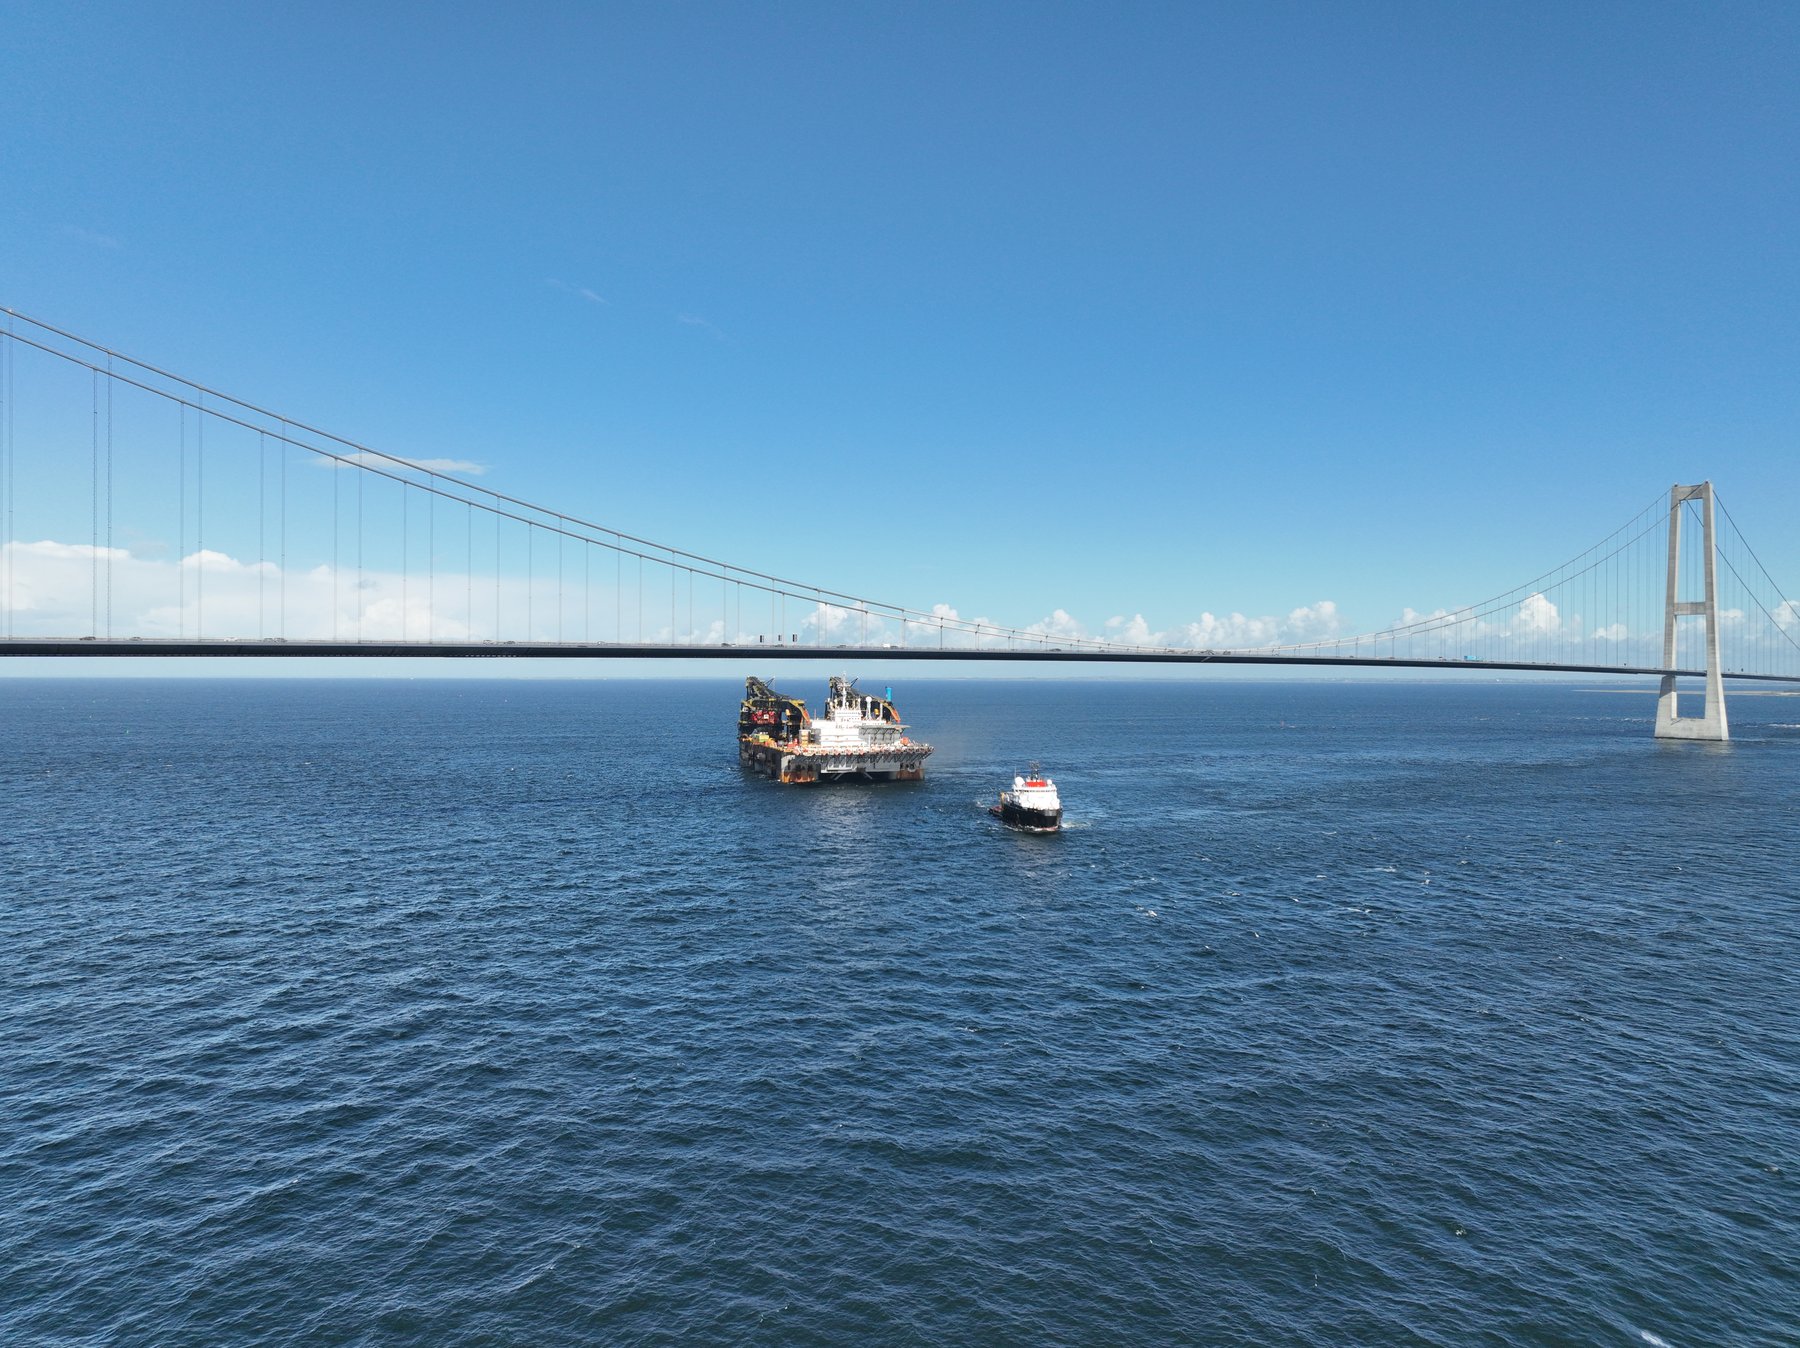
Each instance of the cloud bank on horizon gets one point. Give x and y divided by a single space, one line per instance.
55 589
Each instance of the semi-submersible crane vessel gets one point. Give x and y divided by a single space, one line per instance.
858 735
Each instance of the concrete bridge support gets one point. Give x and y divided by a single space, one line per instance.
1711 723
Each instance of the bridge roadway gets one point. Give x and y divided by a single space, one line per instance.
607 650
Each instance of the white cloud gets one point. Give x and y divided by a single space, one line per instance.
1535 615
1313 622
66 551
834 624
1132 631
580 292
1535 628
695 321
825 620
93 237
1212 633
1234 631
365 459
948 626
62 590
56 587
1059 625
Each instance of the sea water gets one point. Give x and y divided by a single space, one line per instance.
346 1012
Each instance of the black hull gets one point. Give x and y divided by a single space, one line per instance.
786 763
1028 821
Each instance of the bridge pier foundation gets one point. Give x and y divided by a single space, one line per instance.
1711 724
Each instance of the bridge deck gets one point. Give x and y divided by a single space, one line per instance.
606 650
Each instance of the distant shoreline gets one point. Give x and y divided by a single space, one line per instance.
1733 692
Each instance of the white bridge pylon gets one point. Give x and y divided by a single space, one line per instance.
1711 724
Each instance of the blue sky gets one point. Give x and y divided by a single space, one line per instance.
1117 310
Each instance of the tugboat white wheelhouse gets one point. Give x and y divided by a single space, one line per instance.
859 736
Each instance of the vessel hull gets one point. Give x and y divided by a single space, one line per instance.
799 766
1027 820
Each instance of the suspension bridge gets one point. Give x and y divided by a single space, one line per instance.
398 557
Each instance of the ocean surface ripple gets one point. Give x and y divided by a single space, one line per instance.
513 1012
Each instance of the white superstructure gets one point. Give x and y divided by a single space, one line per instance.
857 735
1035 793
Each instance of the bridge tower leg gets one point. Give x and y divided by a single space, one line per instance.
1710 724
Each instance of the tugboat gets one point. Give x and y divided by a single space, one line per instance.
859 736
1032 806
